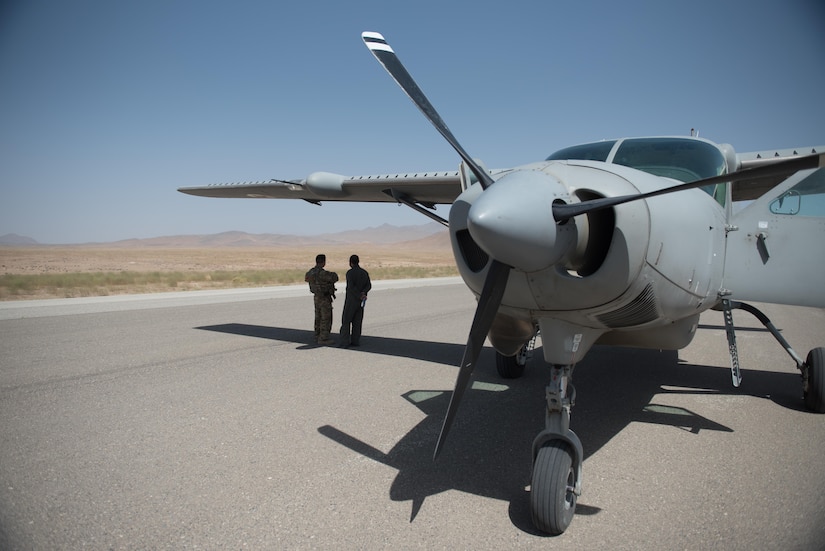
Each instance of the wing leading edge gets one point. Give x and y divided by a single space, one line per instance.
427 188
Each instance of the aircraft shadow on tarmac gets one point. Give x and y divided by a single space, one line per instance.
488 450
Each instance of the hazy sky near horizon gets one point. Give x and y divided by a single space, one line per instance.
108 107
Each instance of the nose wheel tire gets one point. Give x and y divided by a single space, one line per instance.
552 495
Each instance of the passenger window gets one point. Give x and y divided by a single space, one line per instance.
807 198
788 203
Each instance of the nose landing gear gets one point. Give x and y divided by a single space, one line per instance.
557 459
552 494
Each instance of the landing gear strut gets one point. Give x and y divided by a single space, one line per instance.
557 459
812 369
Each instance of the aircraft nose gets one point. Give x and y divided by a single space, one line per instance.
512 220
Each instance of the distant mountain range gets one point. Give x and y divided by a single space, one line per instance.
385 234
15 240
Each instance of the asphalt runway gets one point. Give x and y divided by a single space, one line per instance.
208 421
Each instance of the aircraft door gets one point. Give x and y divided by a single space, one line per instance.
776 251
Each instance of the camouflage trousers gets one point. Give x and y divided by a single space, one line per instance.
323 316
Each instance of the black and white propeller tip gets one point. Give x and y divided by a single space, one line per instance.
375 41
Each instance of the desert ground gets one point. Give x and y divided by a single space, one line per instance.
78 259
193 265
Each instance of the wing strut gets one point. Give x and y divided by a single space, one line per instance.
402 197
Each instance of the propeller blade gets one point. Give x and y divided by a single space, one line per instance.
565 212
385 55
486 310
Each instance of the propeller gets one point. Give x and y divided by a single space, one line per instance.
498 272
488 304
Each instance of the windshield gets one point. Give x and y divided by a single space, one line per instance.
682 159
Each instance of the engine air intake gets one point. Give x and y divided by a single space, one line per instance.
473 255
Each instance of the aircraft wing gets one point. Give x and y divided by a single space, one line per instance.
746 190
424 188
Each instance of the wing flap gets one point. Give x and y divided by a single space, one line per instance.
748 190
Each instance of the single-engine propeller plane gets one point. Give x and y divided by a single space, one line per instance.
621 242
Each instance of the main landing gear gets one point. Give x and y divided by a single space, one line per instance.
813 380
812 369
512 367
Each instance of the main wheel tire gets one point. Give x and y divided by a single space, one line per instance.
511 367
815 389
552 498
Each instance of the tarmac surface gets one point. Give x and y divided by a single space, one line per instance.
210 421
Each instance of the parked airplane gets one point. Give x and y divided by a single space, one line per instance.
622 242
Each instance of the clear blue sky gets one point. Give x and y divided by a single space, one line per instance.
108 107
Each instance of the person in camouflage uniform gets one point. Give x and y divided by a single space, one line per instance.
322 286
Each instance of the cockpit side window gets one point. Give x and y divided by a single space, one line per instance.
586 152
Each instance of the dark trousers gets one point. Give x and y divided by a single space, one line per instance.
351 320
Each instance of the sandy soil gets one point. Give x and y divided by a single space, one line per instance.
74 259
178 261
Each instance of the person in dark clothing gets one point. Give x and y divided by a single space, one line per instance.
358 285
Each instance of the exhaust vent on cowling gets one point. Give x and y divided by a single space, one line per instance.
642 309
